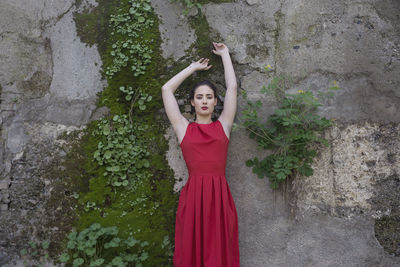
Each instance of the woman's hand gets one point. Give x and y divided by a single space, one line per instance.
220 49
201 64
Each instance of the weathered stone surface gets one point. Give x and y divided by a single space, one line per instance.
248 31
326 219
49 82
175 159
348 173
252 2
4 184
174 29
252 84
323 38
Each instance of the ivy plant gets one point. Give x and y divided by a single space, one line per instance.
138 99
101 246
291 132
37 252
128 49
124 155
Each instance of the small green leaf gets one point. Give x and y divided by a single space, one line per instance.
64 257
97 262
106 130
45 244
249 163
146 7
23 252
32 244
108 154
281 176
146 163
77 262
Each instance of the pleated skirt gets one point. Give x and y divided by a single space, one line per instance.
206 229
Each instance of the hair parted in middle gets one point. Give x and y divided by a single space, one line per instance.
204 82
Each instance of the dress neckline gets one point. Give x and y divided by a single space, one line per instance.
204 123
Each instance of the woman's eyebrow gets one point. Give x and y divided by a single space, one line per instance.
202 94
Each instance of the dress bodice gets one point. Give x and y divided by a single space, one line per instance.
204 148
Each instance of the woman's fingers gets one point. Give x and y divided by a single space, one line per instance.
202 60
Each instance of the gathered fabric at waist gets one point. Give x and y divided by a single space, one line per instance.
206 167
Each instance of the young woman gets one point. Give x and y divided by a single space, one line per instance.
206 228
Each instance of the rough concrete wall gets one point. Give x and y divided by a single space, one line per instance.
48 81
328 219
350 174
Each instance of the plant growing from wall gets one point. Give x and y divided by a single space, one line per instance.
36 251
290 132
121 152
130 49
101 246
126 150
138 99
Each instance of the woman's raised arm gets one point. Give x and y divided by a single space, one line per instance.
230 102
179 123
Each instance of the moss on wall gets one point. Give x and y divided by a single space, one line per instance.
147 213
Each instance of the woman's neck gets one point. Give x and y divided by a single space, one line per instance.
203 120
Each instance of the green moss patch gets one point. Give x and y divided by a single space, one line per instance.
147 210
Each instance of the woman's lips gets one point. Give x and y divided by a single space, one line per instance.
204 108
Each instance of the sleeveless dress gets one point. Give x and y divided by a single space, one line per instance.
206 228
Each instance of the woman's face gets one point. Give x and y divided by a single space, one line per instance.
204 101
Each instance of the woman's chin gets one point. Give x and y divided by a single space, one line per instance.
204 112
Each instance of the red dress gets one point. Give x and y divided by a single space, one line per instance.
206 229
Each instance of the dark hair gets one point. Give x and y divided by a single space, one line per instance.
205 82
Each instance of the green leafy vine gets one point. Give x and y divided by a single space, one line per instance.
291 132
100 246
132 50
123 154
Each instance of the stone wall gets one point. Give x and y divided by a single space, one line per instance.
340 216
331 218
48 81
